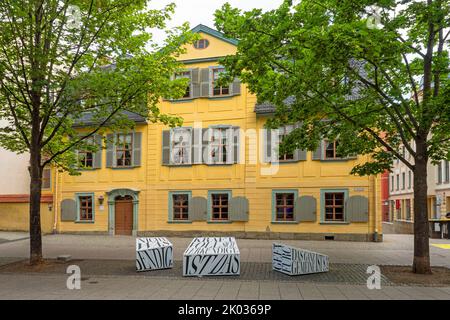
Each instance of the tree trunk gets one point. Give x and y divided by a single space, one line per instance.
421 263
35 208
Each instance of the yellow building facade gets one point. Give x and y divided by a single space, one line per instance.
219 174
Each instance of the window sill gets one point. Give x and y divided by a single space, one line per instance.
179 221
178 165
337 160
219 222
222 97
284 222
334 222
83 221
182 100
124 168
285 162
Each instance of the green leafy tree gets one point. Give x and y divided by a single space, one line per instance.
376 78
62 58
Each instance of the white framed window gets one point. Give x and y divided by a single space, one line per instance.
218 90
220 144
180 146
188 75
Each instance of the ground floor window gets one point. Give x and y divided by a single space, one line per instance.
334 206
284 206
220 206
180 206
85 204
408 209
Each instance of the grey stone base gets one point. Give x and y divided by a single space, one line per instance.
398 227
359 237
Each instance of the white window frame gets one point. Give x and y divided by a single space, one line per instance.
211 83
212 133
190 82
188 148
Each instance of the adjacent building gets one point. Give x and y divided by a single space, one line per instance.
401 195
14 193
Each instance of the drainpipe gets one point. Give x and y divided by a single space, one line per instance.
55 203
375 234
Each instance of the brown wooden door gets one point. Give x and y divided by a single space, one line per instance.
124 216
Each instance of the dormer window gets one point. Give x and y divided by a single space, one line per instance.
201 44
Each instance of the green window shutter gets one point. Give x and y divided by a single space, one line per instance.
110 150
197 146
236 141
198 209
68 210
300 155
166 147
305 209
317 154
98 155
239 209
268 146
236 87
137 147
357 209
195 83
204 82
205 146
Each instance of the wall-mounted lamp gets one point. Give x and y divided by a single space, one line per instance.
101 199
50 206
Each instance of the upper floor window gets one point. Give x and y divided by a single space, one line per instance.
219 90
181 145
439 173
187 75
409 179
219 145
447 171
403 180
392 183
86 157
201 44
46 178
124 149
398 182
331 150
282 134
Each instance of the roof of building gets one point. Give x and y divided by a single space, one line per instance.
214 33
86 119
269 108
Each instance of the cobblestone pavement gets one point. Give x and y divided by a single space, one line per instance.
395 250
260 271
15 286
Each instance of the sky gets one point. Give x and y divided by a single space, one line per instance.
202 11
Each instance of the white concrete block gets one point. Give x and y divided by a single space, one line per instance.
294 261
212 257
153 254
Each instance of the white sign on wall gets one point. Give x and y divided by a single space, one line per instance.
211 257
